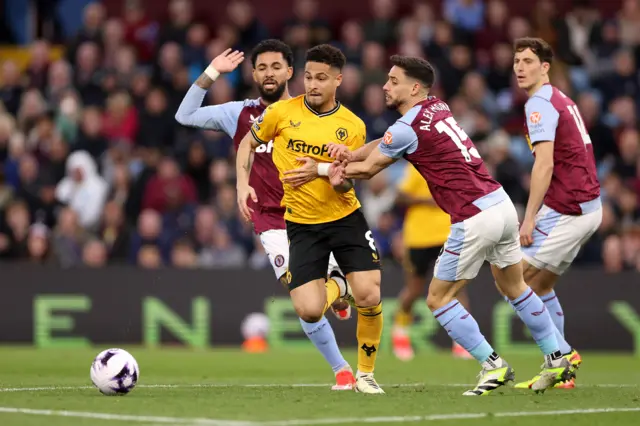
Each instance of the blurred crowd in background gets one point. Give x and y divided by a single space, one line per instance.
153 193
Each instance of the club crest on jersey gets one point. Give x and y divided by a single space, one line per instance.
388 138
342 134
295 125
279 260
535 117
256 122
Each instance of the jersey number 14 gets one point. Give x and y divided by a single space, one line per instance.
457 135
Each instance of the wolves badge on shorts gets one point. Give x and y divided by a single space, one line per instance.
279 260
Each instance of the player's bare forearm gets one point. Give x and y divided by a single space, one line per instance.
540 180
204 81
359 170
244 159
375 162
364 151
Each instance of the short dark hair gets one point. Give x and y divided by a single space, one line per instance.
272 45
538 46
417 68
327 54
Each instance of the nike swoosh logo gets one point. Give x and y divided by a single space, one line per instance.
535 314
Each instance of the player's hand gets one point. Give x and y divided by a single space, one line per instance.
303 174
526 233
339 152
337 173
227 61
244 192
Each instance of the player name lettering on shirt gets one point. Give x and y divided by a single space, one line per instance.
425 124
439 107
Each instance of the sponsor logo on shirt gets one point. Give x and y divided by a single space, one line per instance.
535 117
388 138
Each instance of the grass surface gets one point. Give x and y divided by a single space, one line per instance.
230 388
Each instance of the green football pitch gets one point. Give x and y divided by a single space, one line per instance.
226 387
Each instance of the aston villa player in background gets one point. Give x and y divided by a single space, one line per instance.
564 208
272 68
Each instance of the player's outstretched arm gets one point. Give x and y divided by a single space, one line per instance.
343 153
540 180
371 166
243 170
218 117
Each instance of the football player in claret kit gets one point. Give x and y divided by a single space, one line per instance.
484 221
320 217
272 68
564 208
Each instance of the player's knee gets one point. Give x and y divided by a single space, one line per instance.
308 314
440 293
365 286
437 300
540 287
369 299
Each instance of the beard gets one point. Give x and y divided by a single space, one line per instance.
273 95
391 104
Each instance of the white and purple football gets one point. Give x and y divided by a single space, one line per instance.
114 372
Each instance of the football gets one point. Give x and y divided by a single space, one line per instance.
114 372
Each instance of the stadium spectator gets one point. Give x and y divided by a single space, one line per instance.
38 67
467 15
120 122
94 254
90 137
180 21
93 19
243 17
382 28
11 88
168 188
112 40
68 239
149 257
139 30
307 20
351 41
183 255
156 124
223 252
150 234
494 31
114 233
83 189
88 75
38 244
14 230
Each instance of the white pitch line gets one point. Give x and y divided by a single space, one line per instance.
453 416
126 418
284 385
159 420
